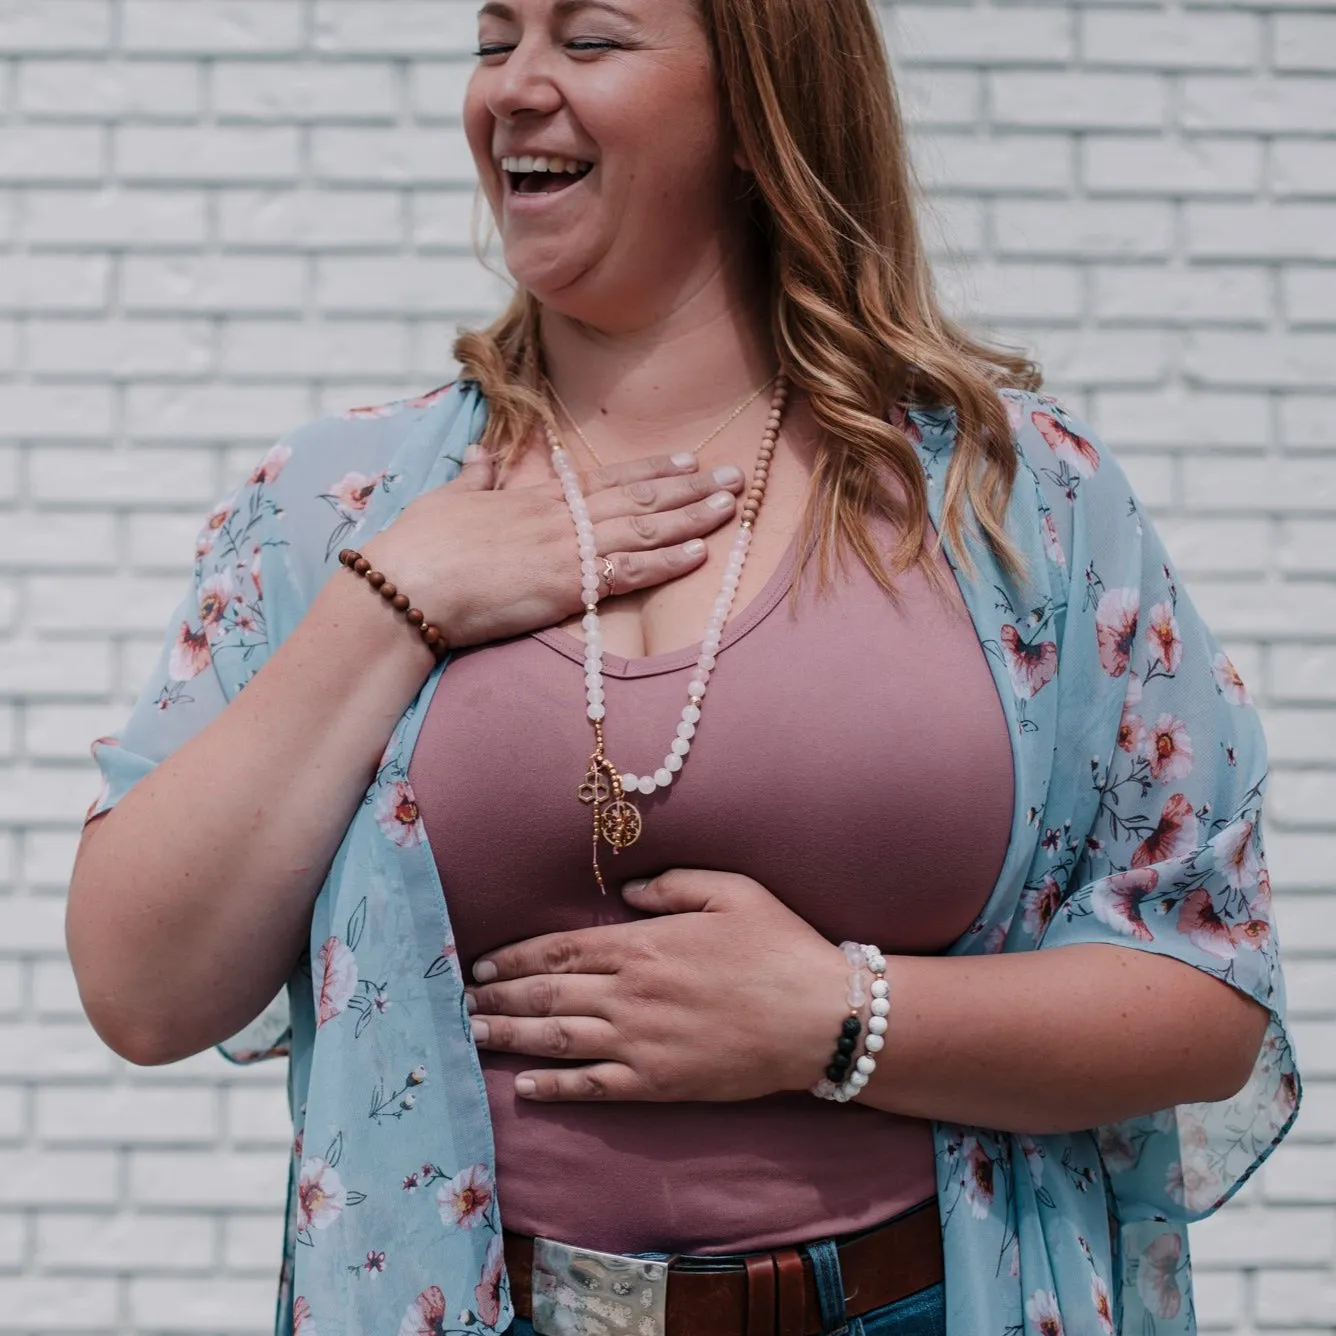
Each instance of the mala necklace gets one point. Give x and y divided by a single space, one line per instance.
617 820
727 422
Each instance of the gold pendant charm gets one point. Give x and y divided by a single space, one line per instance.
595 789
620 825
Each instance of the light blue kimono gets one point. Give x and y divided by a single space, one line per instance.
1139 764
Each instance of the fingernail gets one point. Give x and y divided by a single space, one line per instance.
634 887
470 1002
721 501
484 971
684 460
481 1031
525 1086
695 548
727 475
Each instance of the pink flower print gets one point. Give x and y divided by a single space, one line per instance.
208 536
487 1292
1254 935
353 492
271 465
1042 1310
1131 732
1116 628
1232 686
1039 904
217 594
1259 902
190 654
1116 1148
1237 857
465 1199
302 1322
1197 917
412 1183
374 1264
1030 667
397 815
1162 637
1117 901
1070 448
425 1315
338 979
255 576
320 1196
1174 836
1099 1296
1015 414
1169 749
1157 1275
978 1178
1052 543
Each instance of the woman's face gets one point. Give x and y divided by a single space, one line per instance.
621 94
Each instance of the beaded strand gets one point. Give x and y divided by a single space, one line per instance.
432 636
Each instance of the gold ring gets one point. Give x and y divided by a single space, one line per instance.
610 575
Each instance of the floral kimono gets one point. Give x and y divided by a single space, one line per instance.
1139 766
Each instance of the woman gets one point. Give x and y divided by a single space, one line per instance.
1019 738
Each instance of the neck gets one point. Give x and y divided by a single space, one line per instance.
663 386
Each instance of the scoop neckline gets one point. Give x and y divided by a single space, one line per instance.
674 660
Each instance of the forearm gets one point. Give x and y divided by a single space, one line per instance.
191 899
1058 1040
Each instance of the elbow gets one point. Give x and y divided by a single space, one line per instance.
141 1039
1234 1058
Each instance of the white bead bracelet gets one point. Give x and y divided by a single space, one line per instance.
861 957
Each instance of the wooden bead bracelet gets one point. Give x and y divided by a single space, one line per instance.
433 637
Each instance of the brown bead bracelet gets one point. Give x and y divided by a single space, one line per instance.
433 637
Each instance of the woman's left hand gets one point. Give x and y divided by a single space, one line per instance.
728 995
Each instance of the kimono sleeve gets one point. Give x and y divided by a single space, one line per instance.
1169 768
217 640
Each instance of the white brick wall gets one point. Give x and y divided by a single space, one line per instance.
221 217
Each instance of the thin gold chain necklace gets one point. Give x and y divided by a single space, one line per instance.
727 422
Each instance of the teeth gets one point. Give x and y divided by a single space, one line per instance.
558 166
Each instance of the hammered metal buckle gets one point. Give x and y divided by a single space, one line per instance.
579 1292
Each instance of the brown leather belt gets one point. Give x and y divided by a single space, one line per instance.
774 1293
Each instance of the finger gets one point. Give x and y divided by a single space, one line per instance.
542 995
638 470
681 891
585 951
644 570
648 495
646 532
577 1037
478 473
582 1085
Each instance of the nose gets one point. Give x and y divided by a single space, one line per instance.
523 85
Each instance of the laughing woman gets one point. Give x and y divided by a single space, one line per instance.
731 787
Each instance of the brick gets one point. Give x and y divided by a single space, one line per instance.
1295 104
1218 1299
1303 862
48 856
52 153
1174 417
1304 42
55 994
222 154
397 286
246 90
1310 295
1152 165
1303 167
214 412
1303 672
1286 230
1288 1297
111 216
66 412
252 1242
128 1116
1083 229
394 28
221 284
1169 41
210 27
120 348
53 669
62 732
77 25
54 283
1307 546
436 91
312 219
104 90
106 477
1202 294
78 1243
1078 100
996 163
258 1117
1207 547
1301 735
111 603
173 1178
54 1305
56 540
1298 360
285 350
396 155
1308 421
942 35
175 1305
163 542
35 925
57 1178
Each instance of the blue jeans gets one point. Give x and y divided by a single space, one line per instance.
921 1314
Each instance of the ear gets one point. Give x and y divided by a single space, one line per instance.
742 161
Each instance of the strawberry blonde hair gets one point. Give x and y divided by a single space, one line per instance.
857 323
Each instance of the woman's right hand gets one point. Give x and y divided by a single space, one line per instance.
484 564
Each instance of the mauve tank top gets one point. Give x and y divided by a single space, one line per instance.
853 758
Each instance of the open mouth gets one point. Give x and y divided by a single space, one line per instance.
543 176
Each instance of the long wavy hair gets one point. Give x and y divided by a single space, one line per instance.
857 323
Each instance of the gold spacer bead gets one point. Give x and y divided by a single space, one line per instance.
697 701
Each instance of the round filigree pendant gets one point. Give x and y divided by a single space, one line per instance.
619 824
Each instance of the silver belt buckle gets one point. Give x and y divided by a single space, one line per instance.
579 1292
